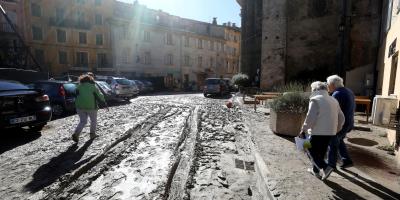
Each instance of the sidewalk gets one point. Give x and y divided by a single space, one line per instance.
282 170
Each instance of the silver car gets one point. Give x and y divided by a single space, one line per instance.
121 87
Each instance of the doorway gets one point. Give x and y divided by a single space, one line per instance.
393 72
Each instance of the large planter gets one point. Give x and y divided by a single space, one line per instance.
286 123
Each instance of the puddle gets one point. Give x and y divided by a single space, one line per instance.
362 141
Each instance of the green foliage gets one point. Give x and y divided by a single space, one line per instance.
291 87
240 80
290 102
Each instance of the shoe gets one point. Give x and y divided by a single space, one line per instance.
75 138
314 173
93 135
346 165
327 172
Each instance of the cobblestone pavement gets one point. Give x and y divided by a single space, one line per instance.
156 147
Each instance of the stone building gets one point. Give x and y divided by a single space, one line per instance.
68 36
149 43
297 40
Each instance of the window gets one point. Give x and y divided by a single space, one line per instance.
82 59
186 60
187 41
61 36
62 57
39 56
212 45
99 39
169 39
80 18
82 38
211 61
169 59
147 58
124 55
102 60
200 61
36 10
97 2
81 1
60 13
146 36
200 43
37 33
99 19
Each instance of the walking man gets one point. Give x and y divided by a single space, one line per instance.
345 97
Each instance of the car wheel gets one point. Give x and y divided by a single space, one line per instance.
205 95
58 110
36 128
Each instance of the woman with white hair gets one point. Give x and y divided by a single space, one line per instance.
324 119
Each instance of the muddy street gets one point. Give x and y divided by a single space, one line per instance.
156 147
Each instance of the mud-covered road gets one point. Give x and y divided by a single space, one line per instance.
156 147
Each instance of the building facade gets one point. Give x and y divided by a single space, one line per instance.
293 40
388 83
68 36
151 43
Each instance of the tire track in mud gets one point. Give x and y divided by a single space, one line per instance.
112 155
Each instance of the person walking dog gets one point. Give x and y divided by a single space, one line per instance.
86 105
324 119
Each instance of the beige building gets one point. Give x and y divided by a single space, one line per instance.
68 36
388 67
150 43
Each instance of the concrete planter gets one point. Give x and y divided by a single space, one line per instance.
286 123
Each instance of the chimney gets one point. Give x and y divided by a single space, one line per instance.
214 22
234 25
229 24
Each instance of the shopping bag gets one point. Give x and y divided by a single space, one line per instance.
302 143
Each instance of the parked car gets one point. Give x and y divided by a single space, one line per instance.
106 90
215 86
62 95
135 87
141 86
148 86
121 87
21 106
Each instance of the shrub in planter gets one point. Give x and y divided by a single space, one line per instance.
288 113
241 80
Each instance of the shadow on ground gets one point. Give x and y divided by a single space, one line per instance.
58 166
12 138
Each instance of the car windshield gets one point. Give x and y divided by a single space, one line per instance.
123 81
12 86
133 83
69 88
212 81
103 85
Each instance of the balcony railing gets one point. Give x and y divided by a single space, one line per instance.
6 28
69 23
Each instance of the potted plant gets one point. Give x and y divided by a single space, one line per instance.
287 113
240 80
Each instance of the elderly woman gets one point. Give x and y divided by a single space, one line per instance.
324 119
86 106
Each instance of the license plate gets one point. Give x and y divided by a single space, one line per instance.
22 119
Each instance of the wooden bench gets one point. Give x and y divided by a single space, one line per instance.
263 97
364 100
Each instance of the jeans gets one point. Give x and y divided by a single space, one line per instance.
83 116
336 146
319 146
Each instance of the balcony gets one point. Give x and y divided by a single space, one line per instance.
69 23
6 28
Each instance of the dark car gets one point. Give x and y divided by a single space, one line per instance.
62 95
215 86
21 106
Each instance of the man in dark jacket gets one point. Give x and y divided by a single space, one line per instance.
345 97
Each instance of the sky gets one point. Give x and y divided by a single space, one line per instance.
201 10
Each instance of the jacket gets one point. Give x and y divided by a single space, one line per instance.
345 97
324 116
86 99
